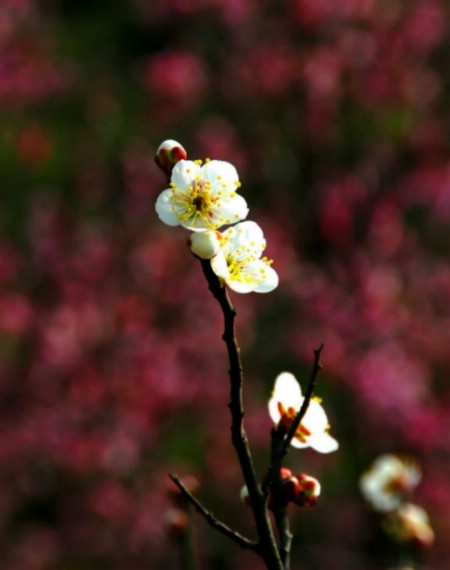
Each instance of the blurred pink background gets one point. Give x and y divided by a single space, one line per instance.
112 367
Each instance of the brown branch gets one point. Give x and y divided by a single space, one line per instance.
281 449
267 543
212 520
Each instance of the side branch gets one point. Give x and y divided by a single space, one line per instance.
211 519
283 446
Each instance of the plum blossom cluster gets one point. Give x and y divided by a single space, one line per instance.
387 486
203 197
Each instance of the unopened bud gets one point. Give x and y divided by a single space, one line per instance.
168 154
285 473
308 490
205 244
288 485
245 497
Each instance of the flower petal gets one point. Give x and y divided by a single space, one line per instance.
164 208
183 173
222 175
240 286
315 418
219 265
245 240
323 443
230 210
287 390
269 278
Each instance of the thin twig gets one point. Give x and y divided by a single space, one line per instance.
277 457
267 543
212 520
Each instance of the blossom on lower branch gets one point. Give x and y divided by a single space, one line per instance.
202 197
235 256
284 404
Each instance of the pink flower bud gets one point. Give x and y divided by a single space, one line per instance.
308 491
168 154
285 473
289 485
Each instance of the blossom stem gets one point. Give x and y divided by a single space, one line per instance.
267 546
282 448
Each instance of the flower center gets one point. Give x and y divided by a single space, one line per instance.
195 204
287 418
199 202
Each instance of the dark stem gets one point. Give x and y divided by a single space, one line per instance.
268 549
211 519
281 450
279 504
282 522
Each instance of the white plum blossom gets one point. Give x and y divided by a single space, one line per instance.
238 261
202 197
388 481
284 404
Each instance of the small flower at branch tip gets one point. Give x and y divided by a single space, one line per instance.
389 481
283 406
238 262
168 154
202 197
